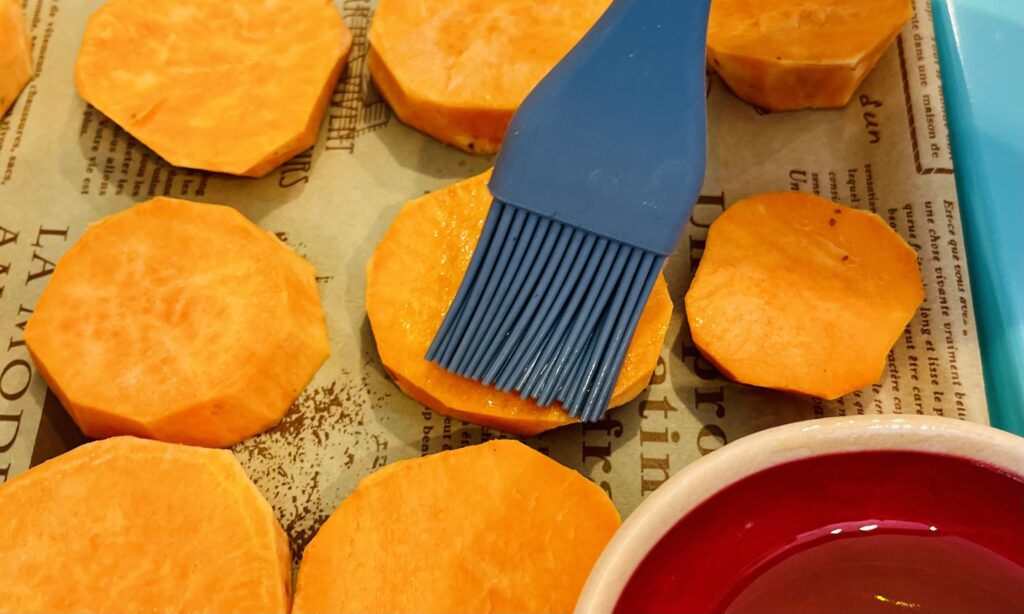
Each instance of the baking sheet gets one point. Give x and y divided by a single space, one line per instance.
64 165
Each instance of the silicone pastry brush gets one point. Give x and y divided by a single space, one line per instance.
594 183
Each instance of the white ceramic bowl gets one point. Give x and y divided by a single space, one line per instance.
703 478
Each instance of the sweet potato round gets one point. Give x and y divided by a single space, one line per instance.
15 53
458 69
233 87
130 525
798 293
785 56
496 527
411 280
178 321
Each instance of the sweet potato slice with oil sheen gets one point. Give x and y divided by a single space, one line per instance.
784 56
497 527
234 86
798 293
15 53
411 280
178 321
130 525
458 69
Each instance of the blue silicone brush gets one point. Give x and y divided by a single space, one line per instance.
594 183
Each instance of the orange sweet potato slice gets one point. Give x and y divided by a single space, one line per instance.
411 280
233 87
458 69
496 527
796 55
798 293
15 53
178 321
130 525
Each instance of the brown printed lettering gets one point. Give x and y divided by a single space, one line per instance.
5 446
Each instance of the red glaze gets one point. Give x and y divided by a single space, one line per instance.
845 533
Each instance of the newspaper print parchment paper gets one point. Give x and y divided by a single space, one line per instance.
64 165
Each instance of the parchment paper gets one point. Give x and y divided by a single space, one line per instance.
64 165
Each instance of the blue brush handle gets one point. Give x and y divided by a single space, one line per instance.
614 139
981 46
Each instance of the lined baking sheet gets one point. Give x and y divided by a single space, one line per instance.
64 165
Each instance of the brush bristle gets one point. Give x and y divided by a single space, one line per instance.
546 309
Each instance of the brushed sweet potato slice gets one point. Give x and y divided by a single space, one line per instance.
178 321
814 54
411 280
496 527
15 53
458 69
130 525
233 87
798 293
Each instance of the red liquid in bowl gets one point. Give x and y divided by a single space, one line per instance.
859 532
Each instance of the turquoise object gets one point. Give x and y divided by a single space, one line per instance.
981 55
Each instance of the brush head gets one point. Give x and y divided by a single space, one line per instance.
546 309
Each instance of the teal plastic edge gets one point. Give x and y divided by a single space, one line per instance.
981 44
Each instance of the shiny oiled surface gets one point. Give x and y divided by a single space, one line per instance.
891 568
411 280
458 69
853 532
811 31
811 54
798 293
478 53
